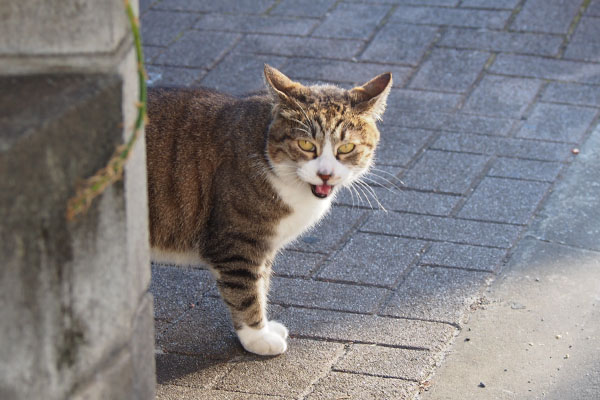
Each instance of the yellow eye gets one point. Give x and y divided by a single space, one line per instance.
345 148
306 145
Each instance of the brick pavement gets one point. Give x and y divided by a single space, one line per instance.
490 98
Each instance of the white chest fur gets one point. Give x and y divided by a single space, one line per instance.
307 210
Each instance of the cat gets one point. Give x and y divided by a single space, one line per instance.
231 181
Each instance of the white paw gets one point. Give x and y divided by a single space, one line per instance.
267 341
278 328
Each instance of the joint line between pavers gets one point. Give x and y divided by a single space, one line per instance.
346 371
570 245
516 10
377 29
572 27
441 31
472 187
436 240
337 357
353 341
477 81
487 271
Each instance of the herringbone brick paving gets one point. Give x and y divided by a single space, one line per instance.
490 98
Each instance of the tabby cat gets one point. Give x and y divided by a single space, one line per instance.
231 181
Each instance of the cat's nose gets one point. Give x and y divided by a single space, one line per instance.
325 177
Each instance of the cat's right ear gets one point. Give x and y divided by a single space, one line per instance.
282 87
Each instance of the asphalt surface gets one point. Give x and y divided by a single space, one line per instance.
486 169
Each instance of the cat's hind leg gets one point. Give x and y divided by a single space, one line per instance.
244 289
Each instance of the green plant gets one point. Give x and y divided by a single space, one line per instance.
95 185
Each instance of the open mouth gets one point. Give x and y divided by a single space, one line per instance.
321 191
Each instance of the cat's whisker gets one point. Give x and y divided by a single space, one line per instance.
372 192
358 186
299 122
312 125
386 180
302 130
358 197
385 172
378 183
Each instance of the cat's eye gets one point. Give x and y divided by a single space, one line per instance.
345 148
306 145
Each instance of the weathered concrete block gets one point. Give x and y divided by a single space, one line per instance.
70 290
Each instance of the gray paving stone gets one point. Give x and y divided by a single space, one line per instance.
553 16
417 202
333 325
239 74
176 288
546 68
445 172
476 124
255 24
191 371
398 146
399 43
525 169
570 216
352 21
556 122
372 259
303 8
405 99
339 385
510 42
151 52
504 200
509 147
393 199
331 296
330 232
386 361
294 263
240 6
502 96
173 392
451 17
593 8
299 46
205 330
496 4
355 73
197 49
580 46
290 373
437 294
145 5
450 70
159 28
443 229
463 256
173 76
572 93
384 176
446 3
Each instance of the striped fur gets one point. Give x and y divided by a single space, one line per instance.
228 183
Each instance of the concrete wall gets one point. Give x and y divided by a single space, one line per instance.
75 315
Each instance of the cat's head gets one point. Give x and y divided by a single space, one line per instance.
322 136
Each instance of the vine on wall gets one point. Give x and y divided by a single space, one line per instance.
95 185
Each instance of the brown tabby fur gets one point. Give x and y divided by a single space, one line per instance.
207 172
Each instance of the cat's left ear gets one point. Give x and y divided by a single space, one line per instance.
283 87
371 97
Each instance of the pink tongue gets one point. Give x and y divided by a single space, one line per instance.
323 189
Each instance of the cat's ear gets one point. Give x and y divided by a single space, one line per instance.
371 97
282 87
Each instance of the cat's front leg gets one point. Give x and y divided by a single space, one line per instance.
244 289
